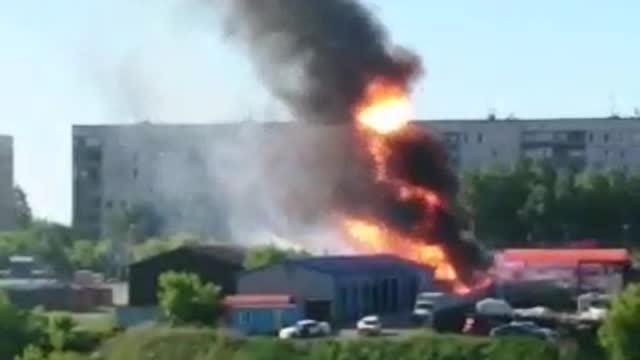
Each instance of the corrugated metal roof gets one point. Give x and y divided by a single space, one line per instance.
355 264
259 301
231 254
566 256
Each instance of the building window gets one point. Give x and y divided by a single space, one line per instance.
494 153
135 173
385 295
413 289
590 137
108 204
622 154
93 175
365 299
376 297
343 301
354 301
576 153
480 138
394 295
605 137
465 138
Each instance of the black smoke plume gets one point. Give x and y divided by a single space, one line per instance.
318 55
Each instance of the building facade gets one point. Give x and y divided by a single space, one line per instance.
217 264
7 198
589 143
178 169
342 289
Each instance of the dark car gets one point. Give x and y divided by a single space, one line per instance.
528 329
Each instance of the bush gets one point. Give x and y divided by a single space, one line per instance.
35 353
204 344
619 333
184 299
60 331
262 256
18 329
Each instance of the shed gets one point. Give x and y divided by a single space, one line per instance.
342 289
261 314
218 264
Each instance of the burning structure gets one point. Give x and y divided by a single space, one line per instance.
332 62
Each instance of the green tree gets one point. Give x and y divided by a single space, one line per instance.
261 256
18 329
60 331
493 199
24 216
619 333
88 254
155 246
184 299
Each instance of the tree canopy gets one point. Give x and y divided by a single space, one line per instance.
186 300
619 333
261 256
535 204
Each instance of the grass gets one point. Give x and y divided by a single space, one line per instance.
207 344
100 321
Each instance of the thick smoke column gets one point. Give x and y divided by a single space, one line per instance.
328 60
319 55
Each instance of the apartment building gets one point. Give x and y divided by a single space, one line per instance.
7 200
590 143
176 169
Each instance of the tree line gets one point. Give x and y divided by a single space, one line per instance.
534 204
530 204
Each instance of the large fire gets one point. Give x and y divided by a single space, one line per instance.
385 107
382 114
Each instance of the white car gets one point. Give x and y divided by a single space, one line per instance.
305 329
369 325
423 313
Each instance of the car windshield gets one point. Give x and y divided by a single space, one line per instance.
424 306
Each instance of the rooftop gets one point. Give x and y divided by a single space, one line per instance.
232 254
337 265
569 257
259 301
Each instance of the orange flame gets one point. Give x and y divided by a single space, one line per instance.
371 238
384 111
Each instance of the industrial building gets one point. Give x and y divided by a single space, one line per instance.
599 270
7 198
217 264
178 171
341 289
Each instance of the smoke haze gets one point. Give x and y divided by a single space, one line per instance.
318 56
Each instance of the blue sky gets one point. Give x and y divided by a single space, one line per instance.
84 62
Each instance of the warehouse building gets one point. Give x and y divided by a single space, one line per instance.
341 289
217 264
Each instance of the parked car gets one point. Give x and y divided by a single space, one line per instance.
493 307
428 303
524 329
306 329
369 326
